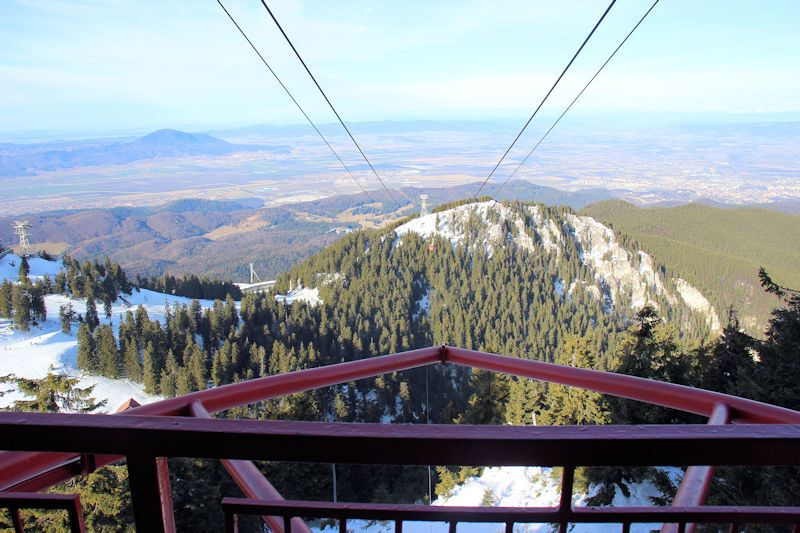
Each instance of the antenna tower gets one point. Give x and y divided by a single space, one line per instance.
423 200
21 228
253 275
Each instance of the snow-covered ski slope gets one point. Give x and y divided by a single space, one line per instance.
33 353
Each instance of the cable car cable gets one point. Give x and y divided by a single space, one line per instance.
296 103
325 96
543 99
497 190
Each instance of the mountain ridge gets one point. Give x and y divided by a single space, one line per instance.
718 250
32 159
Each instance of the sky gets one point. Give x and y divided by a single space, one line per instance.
113 65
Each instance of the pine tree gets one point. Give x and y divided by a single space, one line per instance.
24 269
650 350
6 306
779 365
183 382
571 405
150 371
21 303
66 315
776 376
87 356
107 354
54 393
487 403
131 362
524 397
167 384
730 366
217 370
198 364
38 308
91 318
61 283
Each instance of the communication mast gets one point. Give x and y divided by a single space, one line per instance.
21 228
253 275
423 200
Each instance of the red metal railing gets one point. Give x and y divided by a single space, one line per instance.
16 501
626 516
42 447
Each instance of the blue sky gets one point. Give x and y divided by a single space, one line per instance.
127 64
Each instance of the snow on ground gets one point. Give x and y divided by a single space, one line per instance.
450 224
519 486
9 268
303 294
31 354
559 285
423 306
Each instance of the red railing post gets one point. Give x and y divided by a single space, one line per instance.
151 494
697 480
250 480
75 513
231 522
16 520
565 503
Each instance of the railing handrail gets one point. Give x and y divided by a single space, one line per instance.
434 513
160 436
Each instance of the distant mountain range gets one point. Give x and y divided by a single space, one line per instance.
31 159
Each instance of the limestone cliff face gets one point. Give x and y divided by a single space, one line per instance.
619 274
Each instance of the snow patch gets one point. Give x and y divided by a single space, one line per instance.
559 284
423 305
518 486
302 294
451 225
39 268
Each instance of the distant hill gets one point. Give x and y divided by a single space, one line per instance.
718 250
31 159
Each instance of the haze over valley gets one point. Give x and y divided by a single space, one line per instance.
732 163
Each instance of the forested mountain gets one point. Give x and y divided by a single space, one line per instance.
717 250
510 277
